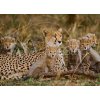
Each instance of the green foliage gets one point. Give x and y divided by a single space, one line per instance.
77 81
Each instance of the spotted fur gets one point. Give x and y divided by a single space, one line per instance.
57 64
86 42
74 54
16 67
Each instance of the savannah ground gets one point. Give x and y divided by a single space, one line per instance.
77 81
73 26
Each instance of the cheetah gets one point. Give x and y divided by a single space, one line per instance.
86 43
7 44
57 64
74 54
17 67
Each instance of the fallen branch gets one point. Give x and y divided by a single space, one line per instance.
91 75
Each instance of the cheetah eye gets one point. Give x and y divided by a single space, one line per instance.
54 35
60 35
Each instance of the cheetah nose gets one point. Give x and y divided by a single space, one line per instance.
7 47
59 41
85 48
52 55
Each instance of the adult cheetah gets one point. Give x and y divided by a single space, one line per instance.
16 67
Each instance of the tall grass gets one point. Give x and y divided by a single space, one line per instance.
25 25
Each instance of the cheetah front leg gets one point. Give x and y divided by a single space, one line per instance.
86 68
37 72
15 76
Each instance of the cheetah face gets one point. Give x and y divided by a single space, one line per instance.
88 41
73 45
92 38
58 37
53 39
8 43
51 52
84 43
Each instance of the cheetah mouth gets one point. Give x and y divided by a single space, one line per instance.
8 50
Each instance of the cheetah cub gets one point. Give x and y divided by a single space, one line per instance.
86 43
74 54
7 45
53 43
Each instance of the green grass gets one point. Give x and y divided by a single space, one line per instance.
76 81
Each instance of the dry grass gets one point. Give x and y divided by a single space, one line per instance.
75 81
31 26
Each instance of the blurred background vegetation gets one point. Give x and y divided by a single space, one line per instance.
31 26
73 25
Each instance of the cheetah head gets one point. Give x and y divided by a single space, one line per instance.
88 41
92 38
73 45
8 43
53 39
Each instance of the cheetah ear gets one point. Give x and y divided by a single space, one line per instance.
45 32
60 30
